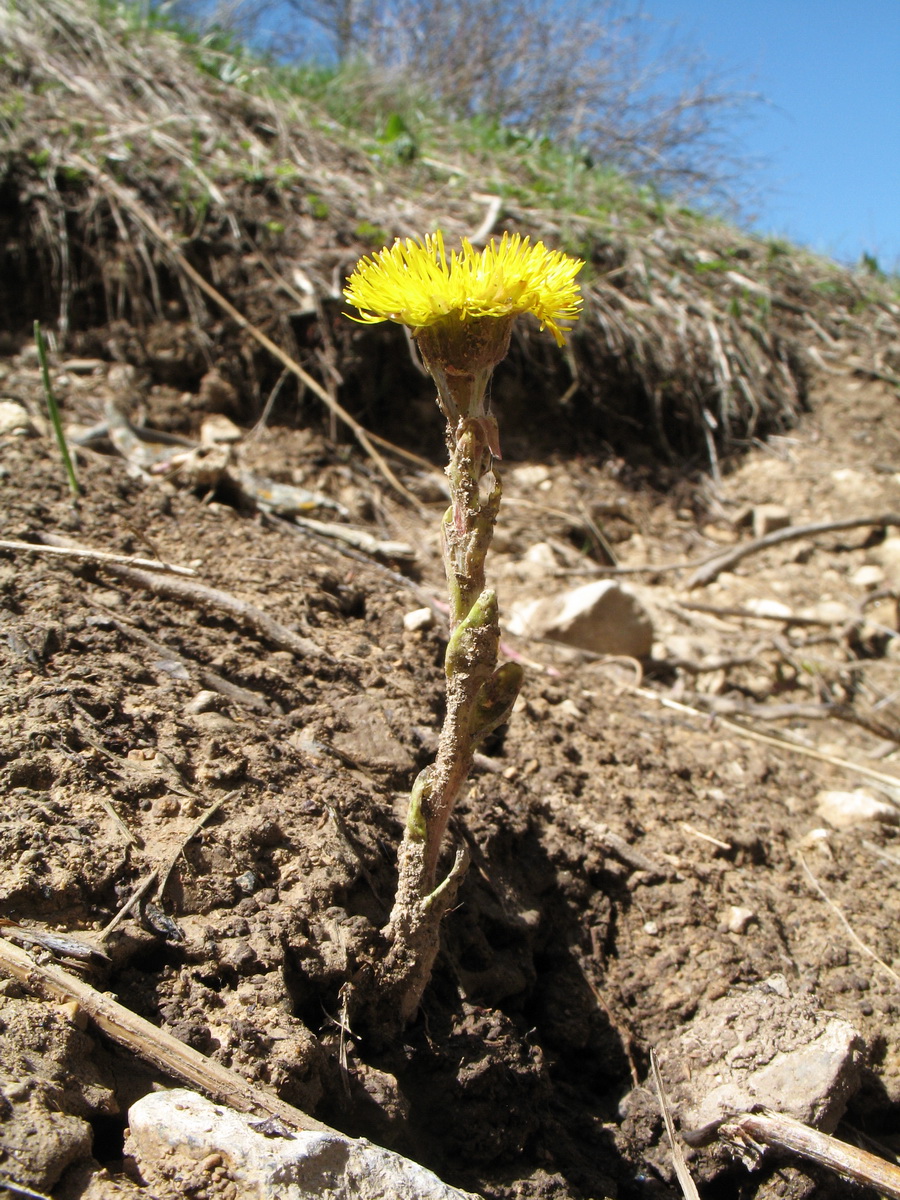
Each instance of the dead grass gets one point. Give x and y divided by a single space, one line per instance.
696 338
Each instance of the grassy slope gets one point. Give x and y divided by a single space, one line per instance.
695 336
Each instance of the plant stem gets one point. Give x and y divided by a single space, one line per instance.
479 697
53 409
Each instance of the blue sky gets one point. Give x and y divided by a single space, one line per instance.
829 136
825 144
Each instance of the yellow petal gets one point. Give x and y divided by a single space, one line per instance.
414 283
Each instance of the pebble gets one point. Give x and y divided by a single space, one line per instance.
868 576
888 554
766 518
14 418
204 701
832 612
602 617
763 1045
248 882
530 476
842 810
768 608
541 554
210 1148
419 618
738 919
219 430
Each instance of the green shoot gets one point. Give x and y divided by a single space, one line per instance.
53 409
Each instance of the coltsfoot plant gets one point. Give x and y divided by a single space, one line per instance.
461 308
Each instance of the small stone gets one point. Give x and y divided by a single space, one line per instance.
737 919
888 555
418 619
768 608
541 555
769 517
530 476
868 576
817 839
247 883
173 1134
842 810
831 612
219 430
204 701
14 418
651 928
602 617
762 1046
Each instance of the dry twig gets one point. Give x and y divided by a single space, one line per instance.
723 562
154 1045
101 556
206 597
751 1132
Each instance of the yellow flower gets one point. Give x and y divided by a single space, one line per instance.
416 284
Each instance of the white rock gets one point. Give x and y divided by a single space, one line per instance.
530 476
868 576
833 612
219 429
419 618
178 1135
888 554
542 555
14 418
602 617
737 919
204 701
769 517
768 608
844 809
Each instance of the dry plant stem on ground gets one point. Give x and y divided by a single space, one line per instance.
461 309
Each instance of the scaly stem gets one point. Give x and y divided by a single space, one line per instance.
479 697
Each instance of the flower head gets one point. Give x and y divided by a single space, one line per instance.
417 284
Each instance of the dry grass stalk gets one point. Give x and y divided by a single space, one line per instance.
851 932
688 1187
769 739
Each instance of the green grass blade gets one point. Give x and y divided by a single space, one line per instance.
53 409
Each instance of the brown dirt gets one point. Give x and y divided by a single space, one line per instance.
563 963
